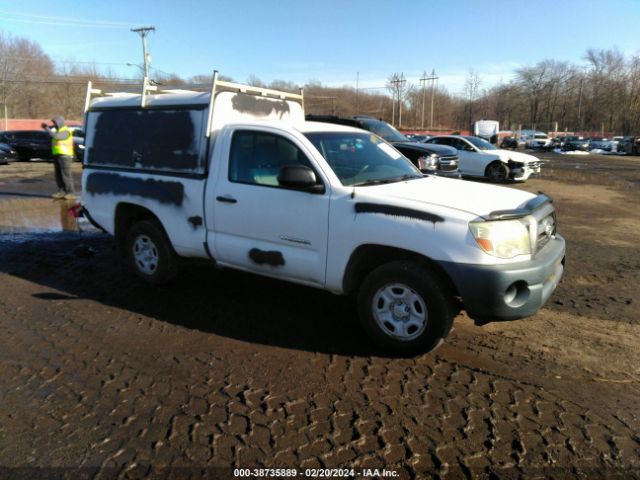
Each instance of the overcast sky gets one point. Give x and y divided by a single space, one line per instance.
328 41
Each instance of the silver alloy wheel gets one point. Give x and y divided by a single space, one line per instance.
400 311
496 172
145 254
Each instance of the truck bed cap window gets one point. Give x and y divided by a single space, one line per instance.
154 139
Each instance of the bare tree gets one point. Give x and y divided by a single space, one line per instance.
24 70
471 90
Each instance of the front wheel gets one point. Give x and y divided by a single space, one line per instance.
497 172
404 308
149 252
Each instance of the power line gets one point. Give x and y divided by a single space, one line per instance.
80 80
75 62
28 59
8 15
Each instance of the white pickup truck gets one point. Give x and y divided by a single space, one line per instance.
236 177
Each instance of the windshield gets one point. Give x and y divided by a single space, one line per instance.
541 136
481 144
362 158
383 129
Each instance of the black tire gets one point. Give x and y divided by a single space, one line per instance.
497 172
161 263
426 294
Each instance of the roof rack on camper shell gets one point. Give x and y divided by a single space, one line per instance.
217 86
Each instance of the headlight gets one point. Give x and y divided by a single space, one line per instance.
428 162
504 238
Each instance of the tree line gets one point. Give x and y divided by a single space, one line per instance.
603 94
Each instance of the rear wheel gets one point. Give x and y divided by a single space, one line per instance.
497 172
149 252
404 308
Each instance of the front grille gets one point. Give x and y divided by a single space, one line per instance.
448 163
546 230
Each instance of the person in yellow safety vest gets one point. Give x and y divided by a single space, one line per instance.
62 149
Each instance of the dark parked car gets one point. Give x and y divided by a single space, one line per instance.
600 143
7 154
28 143
558 142
434 159
78 142
629 145
415 137
509 142
573 143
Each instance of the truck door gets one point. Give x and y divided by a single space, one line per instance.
257 224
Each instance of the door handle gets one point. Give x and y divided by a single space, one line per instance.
227 199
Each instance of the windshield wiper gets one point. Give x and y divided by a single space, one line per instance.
407 176
374 182
382 181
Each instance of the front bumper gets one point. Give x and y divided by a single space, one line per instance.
524 173
509 292
445 173
576 148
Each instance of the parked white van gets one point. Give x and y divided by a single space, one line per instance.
236 177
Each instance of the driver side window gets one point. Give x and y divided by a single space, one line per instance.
257 157
460 145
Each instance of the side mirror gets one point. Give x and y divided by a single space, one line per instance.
299 177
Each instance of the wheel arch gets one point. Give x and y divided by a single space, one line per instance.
498 161
368 257
127 214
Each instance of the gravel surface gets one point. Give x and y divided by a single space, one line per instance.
102 376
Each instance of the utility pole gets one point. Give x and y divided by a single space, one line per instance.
433 79
143 31
580 105
4 94
424 81
357 89
397 86
393 109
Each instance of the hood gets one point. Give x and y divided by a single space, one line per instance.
477 199
440 150
505 155
58 121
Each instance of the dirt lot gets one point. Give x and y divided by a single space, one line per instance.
103 376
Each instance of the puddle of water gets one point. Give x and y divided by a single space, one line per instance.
36 215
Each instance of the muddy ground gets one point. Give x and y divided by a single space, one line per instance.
102 376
